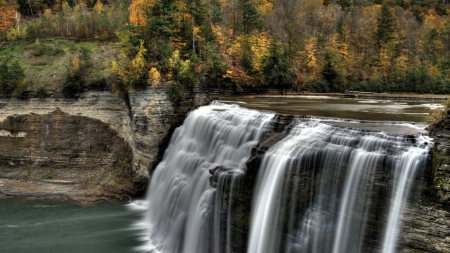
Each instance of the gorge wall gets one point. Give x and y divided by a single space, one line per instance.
94 147
427 217
98 147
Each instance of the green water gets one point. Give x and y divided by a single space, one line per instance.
46 226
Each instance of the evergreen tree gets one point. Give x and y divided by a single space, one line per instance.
216 68
251 19
385 26
162 22
216 14
247 59
276 68
331 75
345 4
11 76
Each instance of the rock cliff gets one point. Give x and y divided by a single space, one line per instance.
94 147
427 218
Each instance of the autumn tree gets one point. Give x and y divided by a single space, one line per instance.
131 73
7 16
140 11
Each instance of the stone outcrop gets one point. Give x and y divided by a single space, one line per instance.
426 226
97 146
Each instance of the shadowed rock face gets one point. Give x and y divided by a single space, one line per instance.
426 226
58 148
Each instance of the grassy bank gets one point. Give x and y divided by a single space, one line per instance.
46 62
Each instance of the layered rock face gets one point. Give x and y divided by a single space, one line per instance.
427 217
96 146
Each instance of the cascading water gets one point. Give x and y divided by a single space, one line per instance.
318 184
180 198
321 189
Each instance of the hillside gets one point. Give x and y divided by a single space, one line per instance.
310 45
46 63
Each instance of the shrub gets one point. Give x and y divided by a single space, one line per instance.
40 92
73 84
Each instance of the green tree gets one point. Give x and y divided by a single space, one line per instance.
12 76
345 4
331 75
247 57
162 23
250 19
216 13
385 26
276 68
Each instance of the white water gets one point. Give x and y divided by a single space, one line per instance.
336 217
180 197
315 189
408 165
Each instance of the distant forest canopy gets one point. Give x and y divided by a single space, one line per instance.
308 45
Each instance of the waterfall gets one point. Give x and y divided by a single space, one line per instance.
180 198
319 183
320 189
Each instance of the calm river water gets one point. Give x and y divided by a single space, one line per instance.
53 227
47 226
352 112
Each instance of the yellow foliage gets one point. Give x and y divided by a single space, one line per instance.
138 63
311 60
174 59
98 7
260 48
154 77
115 67
12 34
228 74
264 7
139 10
76 63
184 68
401 63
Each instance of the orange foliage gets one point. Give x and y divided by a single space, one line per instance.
240 77
139 10
7 15
435 17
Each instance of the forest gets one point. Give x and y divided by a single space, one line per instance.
304 45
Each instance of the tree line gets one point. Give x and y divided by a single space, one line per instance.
308 45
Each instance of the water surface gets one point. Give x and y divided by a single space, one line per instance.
392 116
49 226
